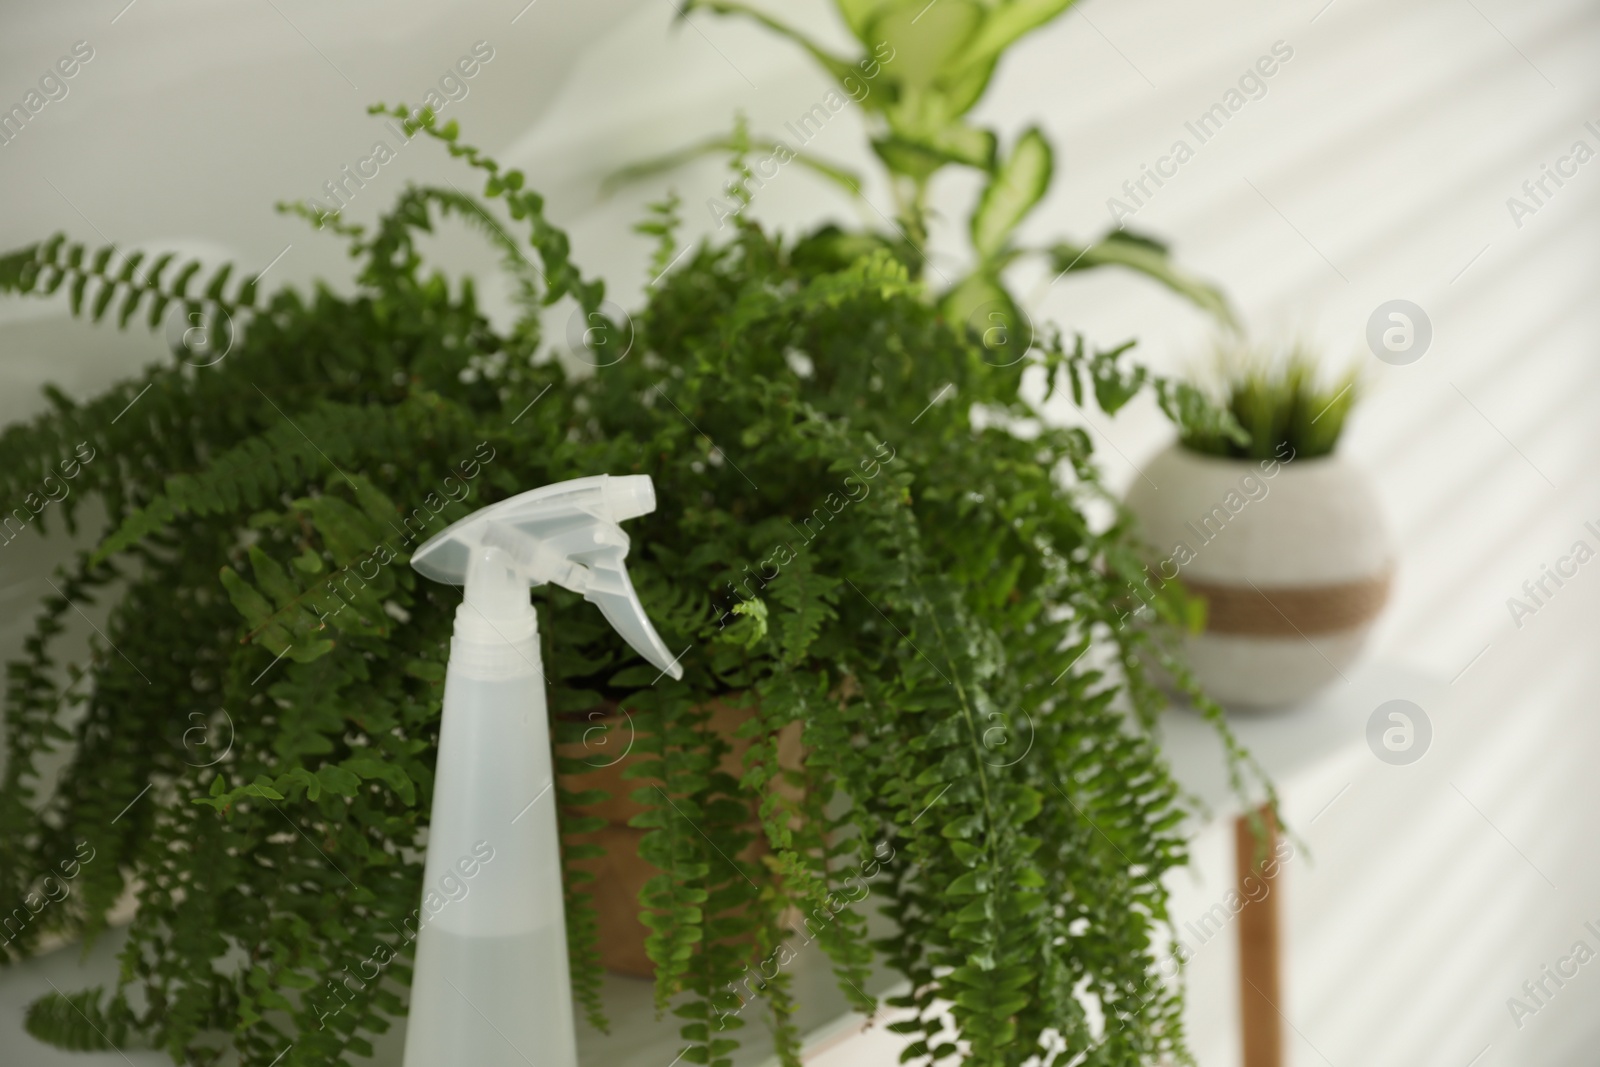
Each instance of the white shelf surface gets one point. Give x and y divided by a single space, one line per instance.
1296 741
637 1038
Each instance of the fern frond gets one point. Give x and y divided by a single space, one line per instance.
43 268
561 276
284 458
80 1023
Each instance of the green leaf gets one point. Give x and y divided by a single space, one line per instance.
965 826
1004 24
339 781
157 266
981 305
389 773
427 670
837 67
252 605
79 1023
351 534
919 156
959 92
968 884
301 777
751 630
858 15
1120 248
130 304
75 294
262 787
180 284
218 281
1016 187
924 38
966 853
271 578
780 154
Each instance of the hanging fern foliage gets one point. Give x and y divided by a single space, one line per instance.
854 536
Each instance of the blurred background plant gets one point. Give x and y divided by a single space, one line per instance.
1283 399
921 69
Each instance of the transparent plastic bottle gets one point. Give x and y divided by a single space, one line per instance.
491 985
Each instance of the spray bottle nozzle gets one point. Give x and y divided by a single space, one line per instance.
630 496
564 534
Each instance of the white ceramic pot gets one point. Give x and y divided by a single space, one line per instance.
1292 557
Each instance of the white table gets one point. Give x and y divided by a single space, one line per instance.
637 1039
1292 743
1287 744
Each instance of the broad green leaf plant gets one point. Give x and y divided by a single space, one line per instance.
863 529
921 69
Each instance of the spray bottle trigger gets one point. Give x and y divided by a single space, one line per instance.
537 562
566 534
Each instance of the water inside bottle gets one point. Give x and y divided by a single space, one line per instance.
470 989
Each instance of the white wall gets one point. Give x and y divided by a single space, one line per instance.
1377 166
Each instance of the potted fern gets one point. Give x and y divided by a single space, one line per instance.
1280 538
949 640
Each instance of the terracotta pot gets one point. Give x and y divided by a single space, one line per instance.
1292 557
619 878
620 875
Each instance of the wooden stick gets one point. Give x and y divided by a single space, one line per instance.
1260 992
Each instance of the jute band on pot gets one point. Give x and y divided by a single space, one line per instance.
1288 610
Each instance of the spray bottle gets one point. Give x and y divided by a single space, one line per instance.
491 985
